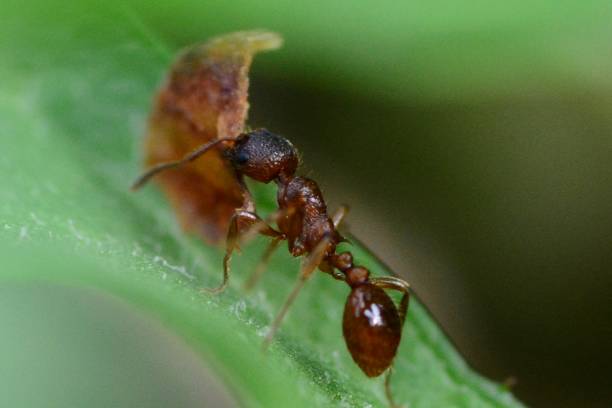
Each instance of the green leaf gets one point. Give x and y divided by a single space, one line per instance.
77 84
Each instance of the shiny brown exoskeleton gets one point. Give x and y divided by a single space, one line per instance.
372 324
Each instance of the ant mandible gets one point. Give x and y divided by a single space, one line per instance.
372 324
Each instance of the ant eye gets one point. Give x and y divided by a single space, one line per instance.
241 158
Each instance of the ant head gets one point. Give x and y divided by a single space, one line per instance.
264 156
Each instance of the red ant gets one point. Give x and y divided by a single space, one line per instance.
372 324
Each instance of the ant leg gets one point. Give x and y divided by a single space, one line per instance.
272 218
339 215
263 263
308 267
261 225
337 219
394 283
241 221
388 393
338 275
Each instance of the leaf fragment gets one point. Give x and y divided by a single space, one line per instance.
205 97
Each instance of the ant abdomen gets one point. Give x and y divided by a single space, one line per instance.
372 328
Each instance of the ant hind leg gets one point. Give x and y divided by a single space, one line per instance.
388 392
394 283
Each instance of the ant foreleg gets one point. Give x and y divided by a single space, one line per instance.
240 222
308 267
262 225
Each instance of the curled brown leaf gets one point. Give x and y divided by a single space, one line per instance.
205 97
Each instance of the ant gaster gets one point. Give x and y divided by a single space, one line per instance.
372 324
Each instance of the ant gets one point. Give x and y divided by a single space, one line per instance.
372 324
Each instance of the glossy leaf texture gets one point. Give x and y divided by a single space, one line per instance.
77 87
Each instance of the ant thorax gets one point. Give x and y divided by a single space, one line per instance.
305 221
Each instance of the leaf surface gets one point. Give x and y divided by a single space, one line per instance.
77 87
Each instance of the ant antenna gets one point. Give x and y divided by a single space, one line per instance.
143 179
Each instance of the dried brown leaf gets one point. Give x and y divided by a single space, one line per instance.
205 97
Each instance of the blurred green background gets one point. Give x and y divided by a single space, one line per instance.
131 361
471 140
